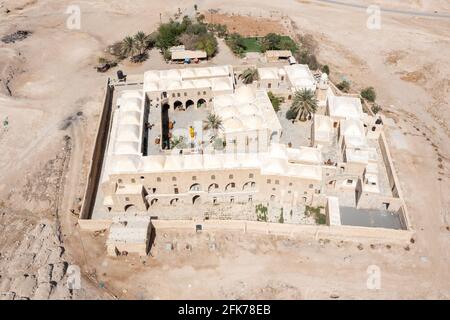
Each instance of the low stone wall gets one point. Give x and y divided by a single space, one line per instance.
94 225
348 233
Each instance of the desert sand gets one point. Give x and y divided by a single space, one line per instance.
52 97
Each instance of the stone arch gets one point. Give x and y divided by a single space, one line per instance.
153 201
273 198
177 105
201 103
214 187
174 201
195 187
130 208
196 200
189 103
251 185
230 187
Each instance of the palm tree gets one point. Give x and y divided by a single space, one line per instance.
141 42
128 47
213 122
249 75
304 104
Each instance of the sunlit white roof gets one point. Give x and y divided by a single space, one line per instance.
345 107
304 155
268 73
215 78
323 128
300 77
124 163
126 147
130 117
128 132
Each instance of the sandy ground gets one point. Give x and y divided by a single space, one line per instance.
49 90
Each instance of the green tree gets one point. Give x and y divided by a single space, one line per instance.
213 122
207 43
369 94
236 43
344 86
304 104
141 42
249 75
305 57
128 48
326 69
276 101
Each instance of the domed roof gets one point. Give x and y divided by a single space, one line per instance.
152 163
233 124
131 104
130 117
244 94
223 100
253 122
128 132
173 85
123 163
221 84
248 109
227 112
151 76
126 147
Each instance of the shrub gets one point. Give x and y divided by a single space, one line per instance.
276 101
304 57
207 43
369 94
273 41
261 213
236 43
281 219
344 86
291 114
326 69
376 108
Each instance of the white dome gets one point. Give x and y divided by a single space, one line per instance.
227 112
203 72
244 94
188 73
174 85
124 164
278 151
151 76
128 132
253 122
248 109
152 163
130 117
131 104
277 166
223 100
126 147
221 84
233 124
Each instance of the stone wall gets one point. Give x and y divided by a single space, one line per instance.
98 152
